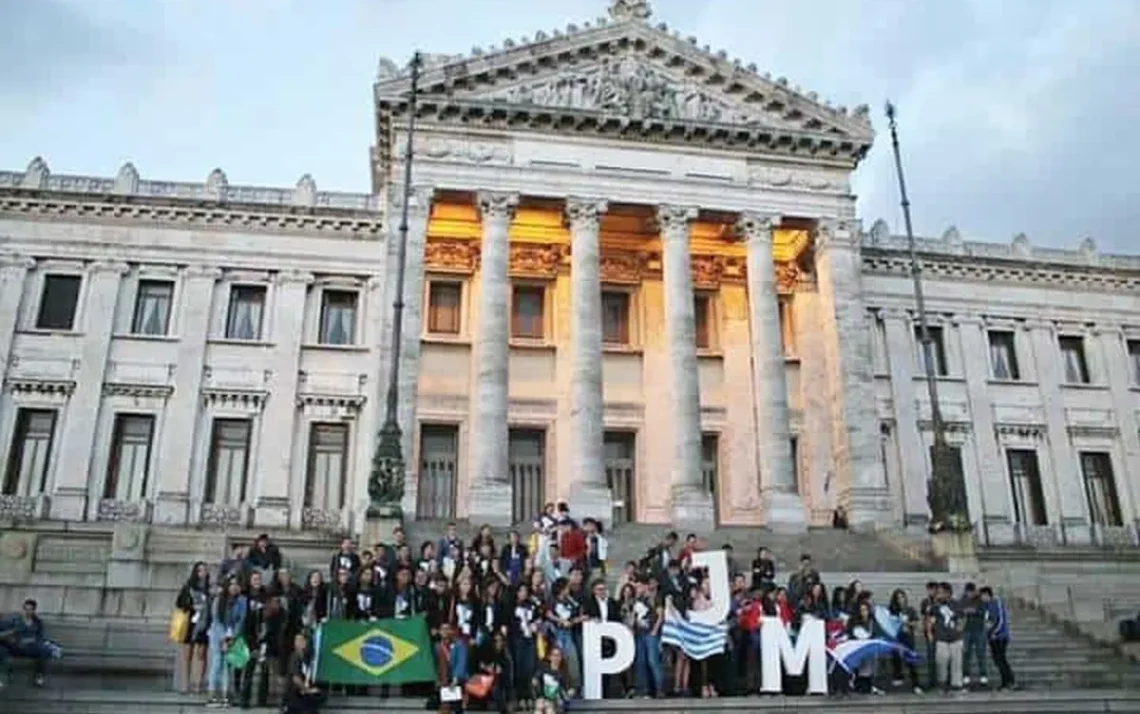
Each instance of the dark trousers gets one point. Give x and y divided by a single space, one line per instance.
931 671
254 670
35 652
997 651
897 660
304 703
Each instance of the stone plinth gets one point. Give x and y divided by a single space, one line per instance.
959 550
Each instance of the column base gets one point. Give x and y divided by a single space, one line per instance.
1076 531
171 509
592 501
783 511
271 512
959 550
693 509
378 529
68 504
490 503
867 508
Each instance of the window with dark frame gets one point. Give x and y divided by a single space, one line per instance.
937 346
528 308
710 461
338 317
246 312
327 467
129 462
152 307
1134 360
228 464
615 317
1025 483
444 304
702 310
1073 356
1003 355
30 455
59 302
1100 489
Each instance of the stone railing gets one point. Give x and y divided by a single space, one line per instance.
23 509
124 511
317 519
1055 536
225 516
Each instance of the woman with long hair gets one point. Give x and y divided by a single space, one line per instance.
525 621
194 600
314 600
227 622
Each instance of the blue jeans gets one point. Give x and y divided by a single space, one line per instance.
974 641
647 664
565 641
36 651
216 669
459 656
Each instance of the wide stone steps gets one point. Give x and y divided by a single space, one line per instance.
98 697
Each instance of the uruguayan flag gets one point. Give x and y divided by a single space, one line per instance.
849 654
698 641
889 624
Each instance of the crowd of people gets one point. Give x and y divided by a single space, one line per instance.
506 620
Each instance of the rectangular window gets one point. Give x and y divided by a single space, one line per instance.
152 307
444 301
937 346
439 464
787 327
528 306
795 449
244 316
129 464
338 317
615 317
526 461
1003 355
328 464
1025 483
31 451
1100 488
58 302
1073 355
229 461
1134 360
710 461
619 450
702 310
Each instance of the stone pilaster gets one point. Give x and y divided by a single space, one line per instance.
13 272
847 346
692 505
279 418
490 487
419 210
782 504
589 493
739 495
1066 477
69 499
1118 370
172 498
989 495
912 453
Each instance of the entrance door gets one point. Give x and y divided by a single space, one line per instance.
526 453
619 456
439 457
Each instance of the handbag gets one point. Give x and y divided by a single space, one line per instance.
237 654
179 626
479 686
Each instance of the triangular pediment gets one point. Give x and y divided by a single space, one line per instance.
622 67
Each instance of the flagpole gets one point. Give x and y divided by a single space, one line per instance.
316 654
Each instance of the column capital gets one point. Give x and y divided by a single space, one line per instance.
15 260
585 213
497 205
836 232
108 266
755 226
420 204
673 221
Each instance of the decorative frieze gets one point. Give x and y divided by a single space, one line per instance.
707 271
788 277
137 391
234 399
317 519
1004 432
451 256
975 269
622 267
124 511
22 508
225 516
537 260
345 404
41 387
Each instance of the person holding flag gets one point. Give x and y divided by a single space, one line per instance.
899 620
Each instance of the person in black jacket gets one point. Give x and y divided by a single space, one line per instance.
600 607
367 601
194 600
344 559
494 659
287 622
264 556
314 601
301 694
261 638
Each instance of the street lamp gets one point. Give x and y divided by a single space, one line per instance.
386 481
949 509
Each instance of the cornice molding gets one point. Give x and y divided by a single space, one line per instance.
246 400
137 391
348 402
46 387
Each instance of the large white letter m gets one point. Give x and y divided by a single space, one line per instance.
810 649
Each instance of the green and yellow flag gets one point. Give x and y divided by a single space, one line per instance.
380 652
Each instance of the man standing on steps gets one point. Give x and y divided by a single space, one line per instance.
997 629
974 636
926 609
948 639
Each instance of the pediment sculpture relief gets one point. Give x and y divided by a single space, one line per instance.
626 86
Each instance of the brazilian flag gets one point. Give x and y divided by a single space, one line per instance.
379 652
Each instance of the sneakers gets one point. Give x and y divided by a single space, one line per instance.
984 681
876 690
965 681
896 682
918 690
213 702
38 680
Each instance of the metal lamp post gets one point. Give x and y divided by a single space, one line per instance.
949 509
386 481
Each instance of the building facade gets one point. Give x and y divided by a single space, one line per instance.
634 281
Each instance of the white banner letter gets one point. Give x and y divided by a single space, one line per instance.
810 649
593 664
720 590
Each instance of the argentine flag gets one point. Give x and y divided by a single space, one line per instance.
696 640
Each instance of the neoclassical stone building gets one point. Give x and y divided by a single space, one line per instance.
635 281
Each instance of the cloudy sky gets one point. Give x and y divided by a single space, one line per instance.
1017 115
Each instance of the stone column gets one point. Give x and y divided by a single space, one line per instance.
692 505
77 440
13 272
912 453
589 495
176 450
419 210
490 487
1066 478
783 508
850 385
279 418
990 496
